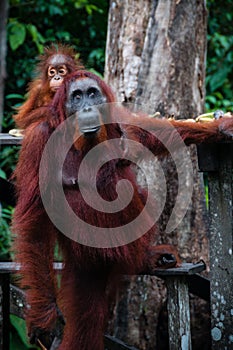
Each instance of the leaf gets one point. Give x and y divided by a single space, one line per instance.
36 37
211 99
91 8
2 174
20 325
17 35
12 96
33 31
55 10
218 78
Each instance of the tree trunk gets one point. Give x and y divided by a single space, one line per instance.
155 58
3 22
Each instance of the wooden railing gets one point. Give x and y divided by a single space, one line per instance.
179 281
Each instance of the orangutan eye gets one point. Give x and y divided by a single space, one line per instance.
77 94
92 92
51 72
62 71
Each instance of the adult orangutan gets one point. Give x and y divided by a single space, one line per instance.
62 198
54 65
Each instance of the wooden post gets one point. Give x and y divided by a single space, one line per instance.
178 314
177 282
217 160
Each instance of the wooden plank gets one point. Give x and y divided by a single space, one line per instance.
182 270
12 267
221 246
178 313
7 139
217 160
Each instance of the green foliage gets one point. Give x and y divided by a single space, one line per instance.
35 24
17 34
5 236
18 339
219 72
8 160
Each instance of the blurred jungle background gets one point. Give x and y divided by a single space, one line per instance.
31 25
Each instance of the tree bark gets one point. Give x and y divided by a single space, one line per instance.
3 22
155 58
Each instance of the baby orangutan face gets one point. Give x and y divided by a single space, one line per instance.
57 70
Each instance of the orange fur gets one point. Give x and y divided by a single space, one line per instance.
89 273
39 92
